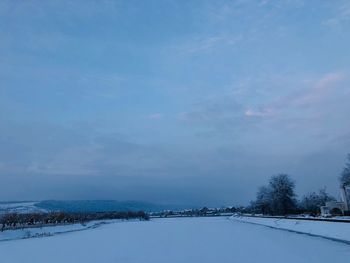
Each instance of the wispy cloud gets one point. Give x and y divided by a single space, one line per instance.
259 113
207 44
313 92
217 109
308 107
319 90
155 116
71 10
342 15
108 86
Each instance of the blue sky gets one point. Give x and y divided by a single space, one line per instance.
171 101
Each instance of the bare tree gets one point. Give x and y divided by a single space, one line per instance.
277 198
263 200
283 199
312 202
345 175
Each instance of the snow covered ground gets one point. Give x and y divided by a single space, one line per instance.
20 207
49 230
338 231
176 240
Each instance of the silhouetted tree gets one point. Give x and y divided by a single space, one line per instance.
345 175
281 189
312 202
263 201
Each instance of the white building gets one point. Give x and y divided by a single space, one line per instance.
338 208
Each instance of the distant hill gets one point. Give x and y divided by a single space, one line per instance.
104 206
85 206
20 207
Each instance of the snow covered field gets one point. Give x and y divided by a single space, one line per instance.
49 230
176 240
338 231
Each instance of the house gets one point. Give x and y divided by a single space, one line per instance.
338 208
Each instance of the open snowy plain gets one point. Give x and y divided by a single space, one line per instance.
176 240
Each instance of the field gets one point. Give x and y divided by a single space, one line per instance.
175 240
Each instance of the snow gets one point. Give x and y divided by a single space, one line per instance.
204 240
20 207
332 230
48 230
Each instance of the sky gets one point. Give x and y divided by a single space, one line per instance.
182 102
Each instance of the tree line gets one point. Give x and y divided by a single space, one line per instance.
278 196
19 220
205 211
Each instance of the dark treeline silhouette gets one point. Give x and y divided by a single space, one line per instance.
278 196
311 202
205 211
18 220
